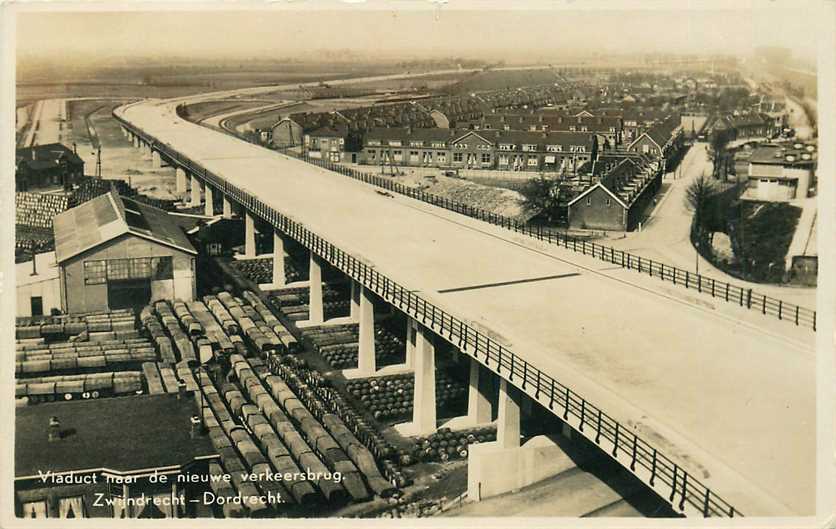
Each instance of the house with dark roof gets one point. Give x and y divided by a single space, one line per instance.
663 141
114 252
121 457
48 165
405 146
617 199
329 143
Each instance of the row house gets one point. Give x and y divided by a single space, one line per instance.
663 141
608 129
639 120
470 149
327 143
618 198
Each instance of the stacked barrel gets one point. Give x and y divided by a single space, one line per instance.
93 326
82 356
84 386
390 398
260 271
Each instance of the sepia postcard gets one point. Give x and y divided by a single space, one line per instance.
442 263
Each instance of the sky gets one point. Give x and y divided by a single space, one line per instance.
439 28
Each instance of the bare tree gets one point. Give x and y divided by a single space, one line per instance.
697 197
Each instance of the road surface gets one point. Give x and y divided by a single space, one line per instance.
729 397
666 237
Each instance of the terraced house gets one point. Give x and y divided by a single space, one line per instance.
484 149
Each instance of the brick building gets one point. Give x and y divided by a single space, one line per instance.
47 165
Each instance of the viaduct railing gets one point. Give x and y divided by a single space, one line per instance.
744 297
684 491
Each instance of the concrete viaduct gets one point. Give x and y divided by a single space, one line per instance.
717 416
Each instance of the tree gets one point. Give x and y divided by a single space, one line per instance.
698 201
541 194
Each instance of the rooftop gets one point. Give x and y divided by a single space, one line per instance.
122 434
788 155
40 157
109 216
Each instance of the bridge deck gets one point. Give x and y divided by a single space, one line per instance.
731 402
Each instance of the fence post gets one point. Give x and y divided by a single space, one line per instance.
796 314
684 490
727 292
764 304
583 412
615 444
749 299
653 469
598 433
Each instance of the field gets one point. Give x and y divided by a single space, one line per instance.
206 109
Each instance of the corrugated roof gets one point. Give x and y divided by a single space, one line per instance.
109 216
46 156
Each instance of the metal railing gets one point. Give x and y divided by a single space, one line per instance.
744 297
684 491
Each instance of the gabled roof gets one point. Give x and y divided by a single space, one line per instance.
109 216
662 132
473 133
601 186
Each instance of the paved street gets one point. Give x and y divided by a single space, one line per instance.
666 236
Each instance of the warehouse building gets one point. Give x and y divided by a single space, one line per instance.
48 165
113 252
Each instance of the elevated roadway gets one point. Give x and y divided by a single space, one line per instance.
731 402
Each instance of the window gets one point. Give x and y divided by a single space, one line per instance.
416 144
554 148
395 143
372 154
95 272
486 157
37 304
529 148
72 507
162 268
373 142
645 149
588 201
532 161
577 148
438 144
503 159
35 509
397 156
442 157
457 157
506 147
118 269
608 202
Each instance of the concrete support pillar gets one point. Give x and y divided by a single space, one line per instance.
195 188
124 132
156 159
411 339
180 179
508 419
135 141
227 208
355 301
315 305
146 150
366 361
424 408
478 403
279 279
249 235
209 203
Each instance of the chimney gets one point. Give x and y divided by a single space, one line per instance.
196 429
54 431
34 153
181 390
